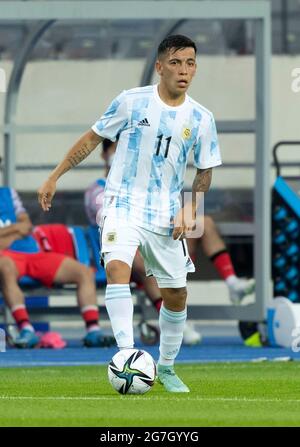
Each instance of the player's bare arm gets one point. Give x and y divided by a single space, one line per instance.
185 220
81 150
15 231
9 230
202 180
24 224
21 228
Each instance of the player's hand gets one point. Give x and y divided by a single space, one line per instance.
46 193
184 222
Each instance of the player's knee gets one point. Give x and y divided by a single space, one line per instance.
181 295
209 224
117 271
86 273
175 299
80 274
7 268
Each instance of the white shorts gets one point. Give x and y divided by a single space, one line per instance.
165 258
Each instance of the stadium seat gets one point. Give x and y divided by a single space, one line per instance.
80 245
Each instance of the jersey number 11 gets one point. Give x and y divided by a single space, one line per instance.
168 140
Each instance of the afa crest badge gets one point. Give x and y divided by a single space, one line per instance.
186 133
111 237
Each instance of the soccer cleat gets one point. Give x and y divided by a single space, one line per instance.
240 289
190 335
167 377
95 339
26 339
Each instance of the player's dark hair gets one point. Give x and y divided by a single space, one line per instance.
175 42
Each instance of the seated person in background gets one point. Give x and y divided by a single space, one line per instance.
21 254
215 249
211 243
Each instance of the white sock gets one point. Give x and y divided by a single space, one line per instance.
28 327
94 327
231 280
119 307
171 333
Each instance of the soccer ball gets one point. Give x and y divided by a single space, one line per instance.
132 371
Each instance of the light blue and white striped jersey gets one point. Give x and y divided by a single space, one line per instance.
155 139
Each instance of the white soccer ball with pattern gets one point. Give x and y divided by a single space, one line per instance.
132 371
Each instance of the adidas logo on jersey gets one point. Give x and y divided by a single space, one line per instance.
188 262
144 122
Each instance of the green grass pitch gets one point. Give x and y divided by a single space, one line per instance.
222 394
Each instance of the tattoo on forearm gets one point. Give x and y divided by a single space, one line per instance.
80 155
202 180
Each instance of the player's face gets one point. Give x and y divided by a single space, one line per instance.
176 70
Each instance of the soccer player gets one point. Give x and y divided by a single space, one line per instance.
93 203
157 127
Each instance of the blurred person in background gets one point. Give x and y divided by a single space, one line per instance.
21 253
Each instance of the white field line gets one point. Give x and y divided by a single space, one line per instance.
153 398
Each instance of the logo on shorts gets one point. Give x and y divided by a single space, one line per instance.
188 262
111 237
